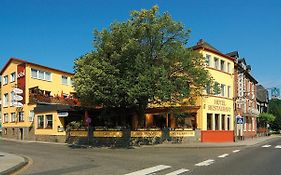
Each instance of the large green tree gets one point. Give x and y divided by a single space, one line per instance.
140 61
274 107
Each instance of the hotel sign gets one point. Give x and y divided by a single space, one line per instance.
219 105
116 134
182 133
145 134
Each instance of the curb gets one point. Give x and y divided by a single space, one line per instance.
32 141
234 144
17 167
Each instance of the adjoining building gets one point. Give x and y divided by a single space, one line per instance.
24 85
215 118
262 106
262 99
245 98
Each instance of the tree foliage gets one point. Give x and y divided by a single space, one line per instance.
266 117
275 109
140 61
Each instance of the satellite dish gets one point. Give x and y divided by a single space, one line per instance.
17 104
17 91
18 98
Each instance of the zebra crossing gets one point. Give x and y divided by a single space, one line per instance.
271 146
160 168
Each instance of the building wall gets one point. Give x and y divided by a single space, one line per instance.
54 130
220 105
55 86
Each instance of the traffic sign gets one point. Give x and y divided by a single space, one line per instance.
17 91
18 98
17 104
240 120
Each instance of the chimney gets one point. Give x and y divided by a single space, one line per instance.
200 42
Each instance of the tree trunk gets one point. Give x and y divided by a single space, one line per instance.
141 113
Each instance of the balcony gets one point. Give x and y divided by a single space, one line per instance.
37 95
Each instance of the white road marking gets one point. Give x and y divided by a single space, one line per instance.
205 163
180 171
223 156
266 146
150 170
278 146
236 151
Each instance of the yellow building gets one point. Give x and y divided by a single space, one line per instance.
23 85
215 118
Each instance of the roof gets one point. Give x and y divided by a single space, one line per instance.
201 44
27 62
262 94
233 54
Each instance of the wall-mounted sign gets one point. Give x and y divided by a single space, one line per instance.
21 74
219 105
18 98
17 91
17 104
62 114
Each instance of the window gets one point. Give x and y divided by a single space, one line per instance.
207 60
209 121
222 66
21 116
228 67
222 90
49 121
64 80
13 117
71 81
216 60
48 76
6 100
5 80
6 118
223 121
31 116
12 98
228 123
40 121
228 91
217 121
39 74
33 73
208 89
13 77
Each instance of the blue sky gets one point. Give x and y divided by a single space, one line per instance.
55 32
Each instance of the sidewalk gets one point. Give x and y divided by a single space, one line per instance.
10 163
247 142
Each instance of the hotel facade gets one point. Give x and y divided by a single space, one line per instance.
215 117
23 83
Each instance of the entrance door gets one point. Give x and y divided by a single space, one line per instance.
21 133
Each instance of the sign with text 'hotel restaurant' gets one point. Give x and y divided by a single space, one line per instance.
219 105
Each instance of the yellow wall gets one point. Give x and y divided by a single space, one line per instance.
55 86
56 122
216 104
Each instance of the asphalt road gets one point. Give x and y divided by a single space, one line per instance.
62 159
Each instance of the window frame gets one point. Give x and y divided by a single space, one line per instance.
5 79
43 73
6 100
13 78
47 126
64 78
39 122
